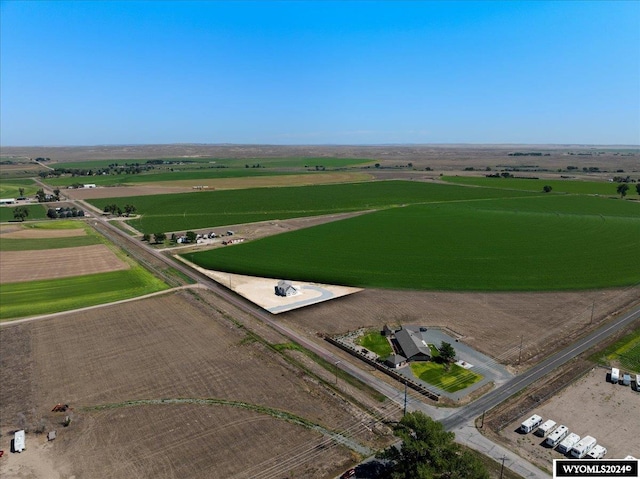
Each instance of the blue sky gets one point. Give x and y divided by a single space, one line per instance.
293 72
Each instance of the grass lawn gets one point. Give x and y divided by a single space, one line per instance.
455 379
51 296
520 244
376 342
36 212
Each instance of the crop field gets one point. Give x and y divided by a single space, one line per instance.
451 380
36 212
625 353
28 244
558 186
11 188
161 387
496 245
218 208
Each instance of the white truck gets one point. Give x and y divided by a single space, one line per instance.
545 428
558 435
568 442
597 452
583 447
530 424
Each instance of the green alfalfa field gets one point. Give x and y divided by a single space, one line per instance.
205 209
553 242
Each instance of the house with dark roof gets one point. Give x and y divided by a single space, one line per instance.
285 288
395 361
413 346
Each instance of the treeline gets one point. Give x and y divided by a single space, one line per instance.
114 209
73 212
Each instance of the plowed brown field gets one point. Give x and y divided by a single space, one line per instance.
173 346
19 266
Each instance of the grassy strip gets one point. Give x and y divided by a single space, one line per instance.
27 244
63 294
376 342
36 212
626 351
452 380
522 244
10 188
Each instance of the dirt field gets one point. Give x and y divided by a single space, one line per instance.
173 346
589 407
19 266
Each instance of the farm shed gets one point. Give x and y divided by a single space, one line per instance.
414 348
395 361
19 441
285 288
7 201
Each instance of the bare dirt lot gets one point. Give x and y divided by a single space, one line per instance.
173 346
589 407
19 266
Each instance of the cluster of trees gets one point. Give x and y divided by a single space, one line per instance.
428 452
504 174
112 169
623 188
157 237
67 212
42 197
114 209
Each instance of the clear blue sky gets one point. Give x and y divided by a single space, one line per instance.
293 72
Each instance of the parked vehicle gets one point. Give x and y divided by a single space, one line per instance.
545 428
348 474
558 435
597 452
615 375
531 423
583 447
568 442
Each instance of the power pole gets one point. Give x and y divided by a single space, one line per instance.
482 420
502 468
337 362
520 353
593 307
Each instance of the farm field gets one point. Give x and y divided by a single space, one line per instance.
558 186
159 387
47 270
36 212
624 354
10 188
522 244
217 208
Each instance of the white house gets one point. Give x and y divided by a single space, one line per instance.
285 288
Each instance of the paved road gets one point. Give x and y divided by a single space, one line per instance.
454 420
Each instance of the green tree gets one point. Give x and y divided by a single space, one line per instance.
429 452
21 191
622 189
159 237
41 196
20 213
447 353
129 209
56 193
546 188
638 188
191 236
146 237
51 213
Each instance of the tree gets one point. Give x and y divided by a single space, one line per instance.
20 213
447 353
56 193
191 236
51 213
146 237
622 189
638 188
129 209
159 237
428 451
546 188
42 197
21 191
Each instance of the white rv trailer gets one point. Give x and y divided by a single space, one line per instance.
530 424
615 375
583 447
546 428
18 441
558 435
638 382
597 452
568 442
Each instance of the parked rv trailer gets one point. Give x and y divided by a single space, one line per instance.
626 379
615 375
530 424
583 447
568 442
638 382
558 435
546 428
597 452
18 441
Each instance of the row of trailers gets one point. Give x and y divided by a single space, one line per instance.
565 441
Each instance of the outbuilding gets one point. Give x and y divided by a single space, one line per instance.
396 361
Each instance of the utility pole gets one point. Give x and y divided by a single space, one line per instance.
520 353
337 362
482 420
593 307
502 468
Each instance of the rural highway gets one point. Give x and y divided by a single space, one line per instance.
453 419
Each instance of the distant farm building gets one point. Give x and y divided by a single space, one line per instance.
285 288
7 201
396 361
89 185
